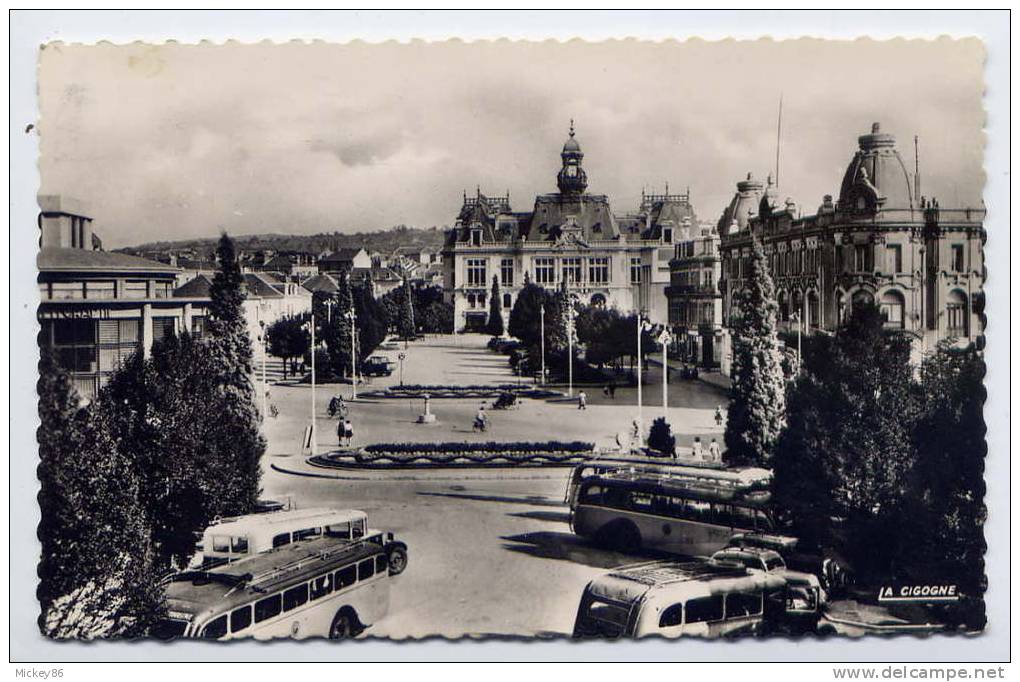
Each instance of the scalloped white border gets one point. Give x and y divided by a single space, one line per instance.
28 29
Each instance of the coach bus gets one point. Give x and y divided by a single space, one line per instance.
692 513
239 537
674 599
319 587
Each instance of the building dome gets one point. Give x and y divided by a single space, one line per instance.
876 178
743 206
572 180
571 146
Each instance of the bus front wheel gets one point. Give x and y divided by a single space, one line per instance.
344 625
397 560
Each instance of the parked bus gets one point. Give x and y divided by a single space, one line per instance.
324 586
240 537
681 512
673 599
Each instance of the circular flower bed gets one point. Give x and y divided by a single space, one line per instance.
399 455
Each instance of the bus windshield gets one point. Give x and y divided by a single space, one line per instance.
604 618
168 628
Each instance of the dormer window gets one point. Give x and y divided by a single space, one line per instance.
476 237
667 235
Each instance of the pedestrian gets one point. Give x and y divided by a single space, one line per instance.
340 432
696 448
612 391
714 454
333 406
718 415
582 401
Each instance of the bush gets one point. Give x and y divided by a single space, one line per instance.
661 437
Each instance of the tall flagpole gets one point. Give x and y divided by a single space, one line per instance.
779 132
312 439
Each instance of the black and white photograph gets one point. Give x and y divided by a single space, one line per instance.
580 341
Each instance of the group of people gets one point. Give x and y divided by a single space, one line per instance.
344 426
711 454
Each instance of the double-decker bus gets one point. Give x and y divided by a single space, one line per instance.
240 537
683 510
323 586
673 599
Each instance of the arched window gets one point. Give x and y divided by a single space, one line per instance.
812 308
841 312
598 301
862 298
892 309
784 307
956 314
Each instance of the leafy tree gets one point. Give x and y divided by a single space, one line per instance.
842 466
437 318
945 510
229 349
494 326
525 317
288 338
557 322
661 437
333 328
92 527
758 391
372 322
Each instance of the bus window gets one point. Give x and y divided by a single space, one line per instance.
672 616
366 569
591 495
267 608
307 533
240 618
339 530
382 564
641 502
295 597
221 543
345 577
239 545
704 609
215 628
281 540
741 604
358 529
321 586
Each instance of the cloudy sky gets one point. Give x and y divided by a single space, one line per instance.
172 141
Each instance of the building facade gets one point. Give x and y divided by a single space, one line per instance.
569 236
879 242
695 299
96 308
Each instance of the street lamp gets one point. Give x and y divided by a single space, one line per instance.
265 387
542 331
570 345
311 323
354 365
401 357
665 338
642 326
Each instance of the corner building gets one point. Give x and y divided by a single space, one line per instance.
570 236
879 242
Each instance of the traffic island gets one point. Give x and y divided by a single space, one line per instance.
420 391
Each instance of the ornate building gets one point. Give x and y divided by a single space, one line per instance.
620 261
695 300
880 241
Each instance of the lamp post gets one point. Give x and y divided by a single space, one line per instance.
542 332
401 358
354 364
641 327
312 438
665 338
265 387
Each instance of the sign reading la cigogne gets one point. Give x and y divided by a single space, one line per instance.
919 593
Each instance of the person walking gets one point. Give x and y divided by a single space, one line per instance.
582 401
714 454
718 415
696 448
341 431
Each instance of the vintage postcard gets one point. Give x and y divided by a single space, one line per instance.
579 340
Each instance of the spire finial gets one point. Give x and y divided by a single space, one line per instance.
571 127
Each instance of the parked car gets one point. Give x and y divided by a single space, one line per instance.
379 366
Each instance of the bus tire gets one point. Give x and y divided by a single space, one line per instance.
344 625
620 535
397 558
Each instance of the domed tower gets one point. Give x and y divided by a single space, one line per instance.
876 177
572 179
743 206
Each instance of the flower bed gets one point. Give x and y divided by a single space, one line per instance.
399 455
472 391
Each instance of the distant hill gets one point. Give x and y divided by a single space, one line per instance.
384 241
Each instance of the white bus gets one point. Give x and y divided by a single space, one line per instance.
320 587
673 599
676 511
240 537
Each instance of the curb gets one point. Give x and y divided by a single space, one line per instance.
402 477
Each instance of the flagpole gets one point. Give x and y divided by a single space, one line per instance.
312 439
